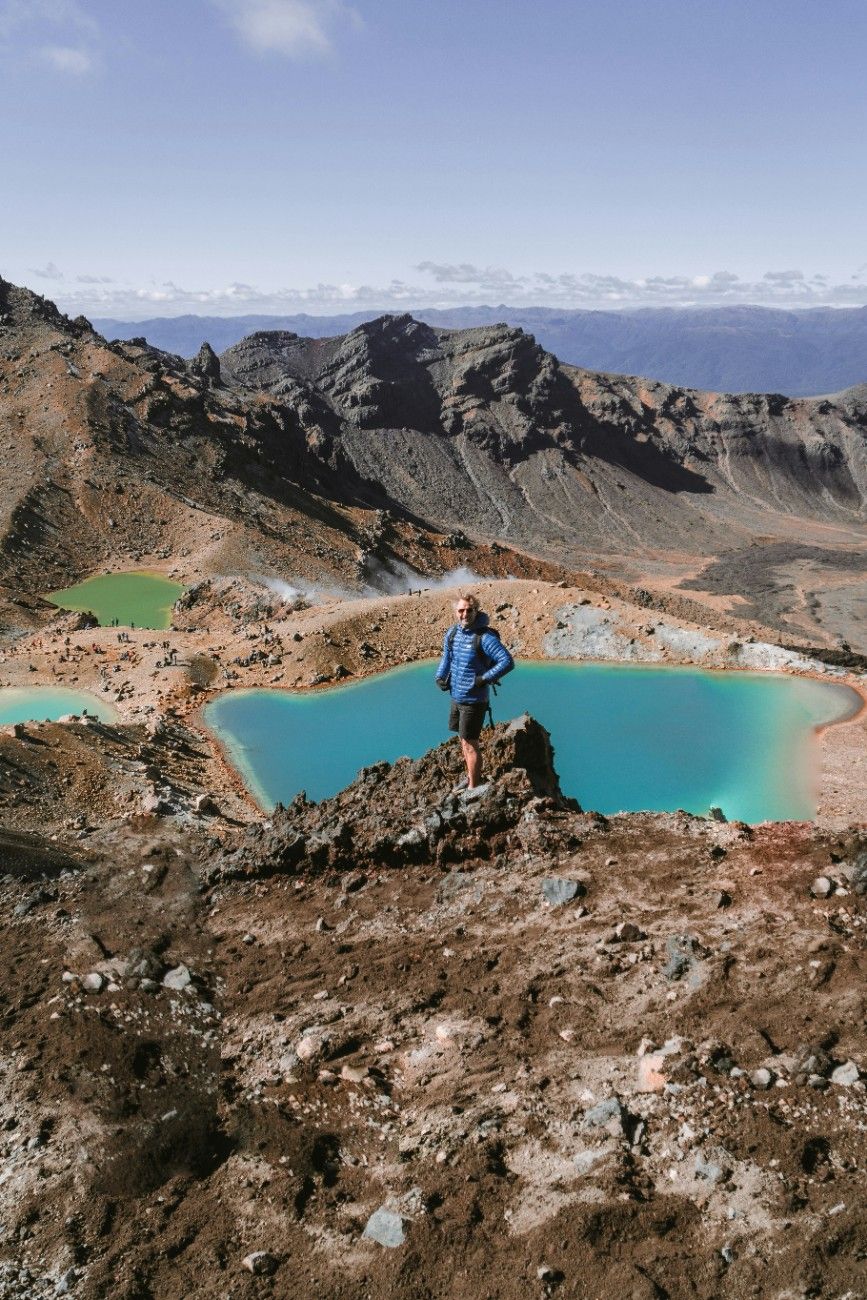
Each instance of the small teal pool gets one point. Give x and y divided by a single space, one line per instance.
625 738
45 703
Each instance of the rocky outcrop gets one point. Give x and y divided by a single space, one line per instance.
206 364
410 812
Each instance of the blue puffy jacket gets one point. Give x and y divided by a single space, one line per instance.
461 665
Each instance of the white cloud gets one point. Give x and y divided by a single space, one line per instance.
18 14
51 271
96 295
60 34
71 59
297 28
493 278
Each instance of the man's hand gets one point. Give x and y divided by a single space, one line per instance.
444 686
478 681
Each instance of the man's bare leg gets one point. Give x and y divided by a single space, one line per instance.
473 760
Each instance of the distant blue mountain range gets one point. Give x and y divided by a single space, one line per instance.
721 349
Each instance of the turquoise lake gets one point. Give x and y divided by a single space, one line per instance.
626 738
41 703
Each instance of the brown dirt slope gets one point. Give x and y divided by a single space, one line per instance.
655 1087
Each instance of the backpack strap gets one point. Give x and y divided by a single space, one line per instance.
477 641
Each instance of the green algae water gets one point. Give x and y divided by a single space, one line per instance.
133 599
626 739
48 703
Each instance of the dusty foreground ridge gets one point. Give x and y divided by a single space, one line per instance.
410 1042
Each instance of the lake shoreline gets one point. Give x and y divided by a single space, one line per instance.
399 630
233 737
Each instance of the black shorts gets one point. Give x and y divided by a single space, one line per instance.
467 719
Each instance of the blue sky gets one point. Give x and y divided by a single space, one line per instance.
228 156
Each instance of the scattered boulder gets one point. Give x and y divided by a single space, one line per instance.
709 1171
178 978
611 1116
845 1075
858 874
628 932
261 1263
821 887
385 1227
206 806
680 951
557 891
156 805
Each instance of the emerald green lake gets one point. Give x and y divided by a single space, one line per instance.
133 599
47 703
626 738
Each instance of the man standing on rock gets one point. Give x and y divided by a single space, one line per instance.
474 659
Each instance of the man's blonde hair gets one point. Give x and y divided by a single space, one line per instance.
468 598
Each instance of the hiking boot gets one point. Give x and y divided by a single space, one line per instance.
476 792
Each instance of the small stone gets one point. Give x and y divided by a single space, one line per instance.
609 1115
354 1073
723 899
154 803
385 1227
177 978
206 806
585 1160
148 985
93 982
679 949
309 1047
846 1074
650 1073
556 891
260 1263
708 1170
628 932
248 939
822 887
762 1078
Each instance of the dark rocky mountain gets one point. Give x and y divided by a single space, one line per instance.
303 455
484 428
720 349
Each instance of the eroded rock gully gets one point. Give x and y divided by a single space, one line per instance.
356 1051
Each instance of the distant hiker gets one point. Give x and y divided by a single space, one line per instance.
474 659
